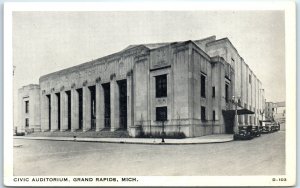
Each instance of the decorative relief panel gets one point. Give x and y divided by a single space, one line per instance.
122 68
160 58
161 101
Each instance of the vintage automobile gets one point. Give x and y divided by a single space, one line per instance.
256 130
243 133
266 127
277 126
272 127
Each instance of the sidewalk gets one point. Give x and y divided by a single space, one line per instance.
216 138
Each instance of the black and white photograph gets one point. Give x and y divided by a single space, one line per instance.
106 94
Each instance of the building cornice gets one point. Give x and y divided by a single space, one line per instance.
106 59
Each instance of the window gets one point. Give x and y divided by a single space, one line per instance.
161 86
26 122
249 79
214 115
161 113
203 115
26 106
213 91
226 93
203 78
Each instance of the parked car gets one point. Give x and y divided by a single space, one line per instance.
256 130
266 127
277 126
273 127
244 133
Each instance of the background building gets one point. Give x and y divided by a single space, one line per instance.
270 110
280 112
190 87
276 112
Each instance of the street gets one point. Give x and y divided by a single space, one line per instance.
264 155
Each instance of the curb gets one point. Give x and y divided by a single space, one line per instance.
122 142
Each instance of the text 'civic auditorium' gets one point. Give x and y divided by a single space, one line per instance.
192 87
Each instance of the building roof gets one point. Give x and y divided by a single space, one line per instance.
105 58
150 46
201 44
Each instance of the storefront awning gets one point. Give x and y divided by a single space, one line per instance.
239 111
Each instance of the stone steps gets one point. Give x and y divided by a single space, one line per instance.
87 134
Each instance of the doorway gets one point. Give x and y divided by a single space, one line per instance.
92 90
123 103
106 89
80 108
229 122
69 109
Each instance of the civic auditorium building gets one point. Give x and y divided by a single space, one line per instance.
188 86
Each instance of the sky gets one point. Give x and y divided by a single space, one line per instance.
44 42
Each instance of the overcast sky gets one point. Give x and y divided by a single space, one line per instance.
44 42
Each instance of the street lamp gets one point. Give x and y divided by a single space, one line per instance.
162 117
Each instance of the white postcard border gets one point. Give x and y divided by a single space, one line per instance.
290 28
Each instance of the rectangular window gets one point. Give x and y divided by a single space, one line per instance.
203 115
161 86
27 122
214 115
26 106
226 93
249 79
161 113
213 91
203 78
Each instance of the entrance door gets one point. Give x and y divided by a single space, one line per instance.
93 106
106 89
229 122
80 108
123 103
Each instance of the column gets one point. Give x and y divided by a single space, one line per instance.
74 110
63 111
246 119
44 113
129 102
99 107
242 119
86 108
54 112
114 104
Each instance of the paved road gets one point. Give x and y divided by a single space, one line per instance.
261 156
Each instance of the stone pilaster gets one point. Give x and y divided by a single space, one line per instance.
130 117
99 107
44 113
114 104
63 111
246 119
54 112
74 110
242 119
86 108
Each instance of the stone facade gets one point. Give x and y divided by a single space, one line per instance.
120 91
29 108
275 111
